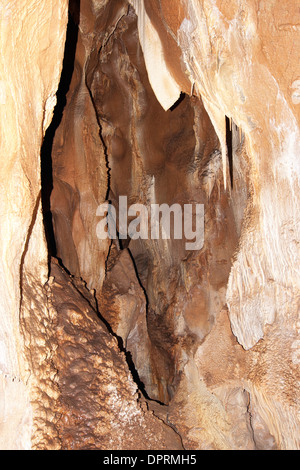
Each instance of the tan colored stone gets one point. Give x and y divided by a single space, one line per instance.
213 334
32 35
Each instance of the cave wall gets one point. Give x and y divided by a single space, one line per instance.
32 44
200 350
245 275
158 156
43 385
234 45
229 53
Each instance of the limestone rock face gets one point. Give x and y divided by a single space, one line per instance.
159 157
32 44
94 410
227 54
143 343
80 177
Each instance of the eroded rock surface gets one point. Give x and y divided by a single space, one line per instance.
32 43
141 344
97 404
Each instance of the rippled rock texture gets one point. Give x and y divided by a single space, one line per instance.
142 344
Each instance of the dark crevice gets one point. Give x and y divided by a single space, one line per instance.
229 148
46 150
26 245
178 102
130 363
120 342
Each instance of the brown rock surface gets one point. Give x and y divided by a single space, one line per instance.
32 35
98 404
141 344
228 55
162 157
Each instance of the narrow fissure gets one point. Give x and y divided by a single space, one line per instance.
229 148
61 95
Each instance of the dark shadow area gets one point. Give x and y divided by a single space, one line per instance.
46 150
178 102
229 148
